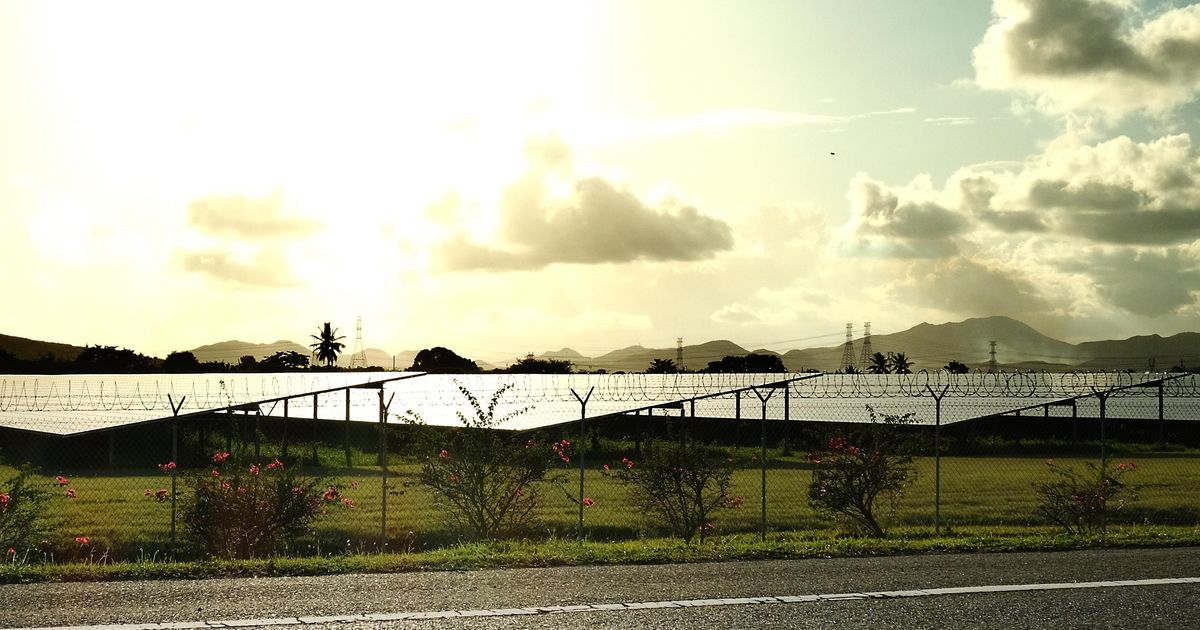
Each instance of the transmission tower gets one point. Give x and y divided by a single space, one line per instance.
848 351
679 353
359 359
865 358
992 361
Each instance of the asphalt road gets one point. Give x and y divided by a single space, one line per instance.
1173 606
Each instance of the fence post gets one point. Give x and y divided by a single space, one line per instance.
1162 434
174 459
346 439
583 401
762 442
937 457
383 467
285 428
315 429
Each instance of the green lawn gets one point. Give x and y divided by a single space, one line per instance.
993 493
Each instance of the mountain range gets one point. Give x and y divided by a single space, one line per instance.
928 346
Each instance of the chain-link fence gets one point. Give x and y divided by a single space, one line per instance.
980 452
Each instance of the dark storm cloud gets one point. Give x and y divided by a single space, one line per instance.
247 218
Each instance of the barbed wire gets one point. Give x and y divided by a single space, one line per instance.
150 394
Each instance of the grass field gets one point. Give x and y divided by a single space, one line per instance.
994 493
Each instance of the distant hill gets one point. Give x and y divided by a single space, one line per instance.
231 352
1135 353
32 349
931 346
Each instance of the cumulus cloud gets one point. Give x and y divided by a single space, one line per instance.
264 268
1092 55
901 222
246 217
1141 281
597 221
1120 214
971 288
243 239
735 314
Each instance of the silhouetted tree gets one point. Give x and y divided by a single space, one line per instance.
662 366
283 361
530 365
439 360
328 345
900 363
956 367
247 363
110 359
181 362
879 364
753 362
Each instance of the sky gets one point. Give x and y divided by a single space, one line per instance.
503 178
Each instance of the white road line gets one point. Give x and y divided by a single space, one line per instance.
683 603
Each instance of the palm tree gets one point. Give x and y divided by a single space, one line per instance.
662 366
878 364
900 363
328 344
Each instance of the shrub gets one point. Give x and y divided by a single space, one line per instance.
1078 500
240 509
861 467
486 481
682 484
21 510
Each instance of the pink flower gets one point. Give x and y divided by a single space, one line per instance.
148 492
353 483
12 552
62 481
275 465
4 499
606 470
161 494
348 503
220 457
520 492
254 469
225 485
297 490
588 502
444 454
332 494
83 540
167 467
734 502
215 473
70 493
628 463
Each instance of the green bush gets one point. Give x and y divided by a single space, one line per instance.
487 482
1080 501
861 467
248 510
22 526
682 484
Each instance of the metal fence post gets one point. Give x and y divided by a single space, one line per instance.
346 438
582 416
763 458
937 457
174 460
383 467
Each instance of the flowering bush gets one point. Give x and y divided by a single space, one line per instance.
21 504
1079 500
860 467
681 484
486 481
246 510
